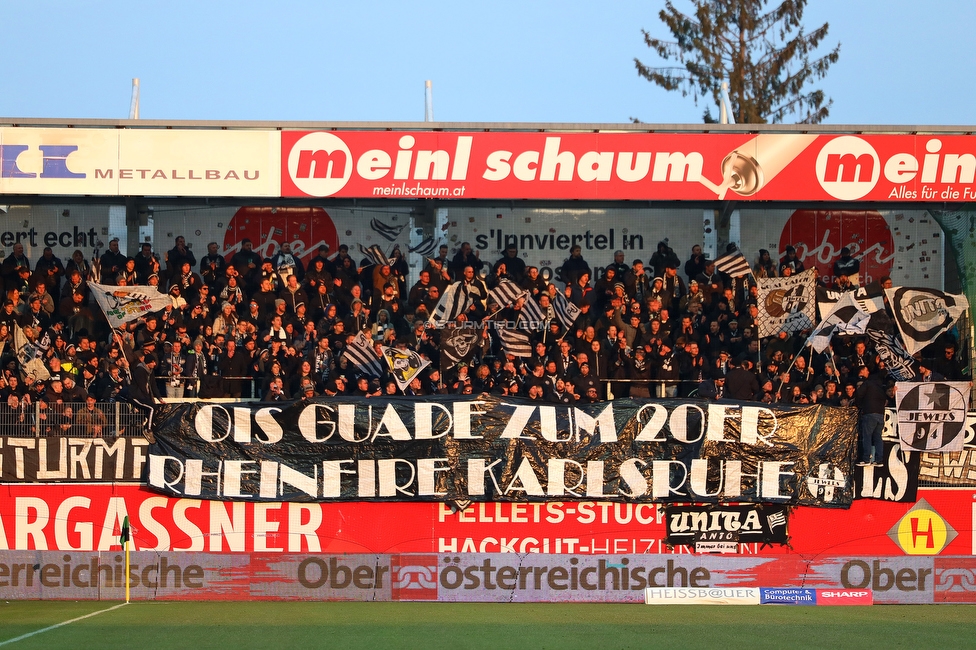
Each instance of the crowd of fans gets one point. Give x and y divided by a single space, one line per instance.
275 329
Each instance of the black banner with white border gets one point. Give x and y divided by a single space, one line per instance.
493 449
64 459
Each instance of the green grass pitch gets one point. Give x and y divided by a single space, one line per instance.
239 625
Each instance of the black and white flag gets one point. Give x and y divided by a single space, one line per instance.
566 312
515 343
900 365
932 415
362 355
506 293
375 254
734 264
452 304
787 304
869 298
923 314
845 317
533 318
458 344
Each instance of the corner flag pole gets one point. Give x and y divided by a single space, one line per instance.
124 540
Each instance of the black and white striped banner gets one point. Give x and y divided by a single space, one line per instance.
452 304
362 355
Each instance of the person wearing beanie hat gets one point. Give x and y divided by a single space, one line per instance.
791 261
765 266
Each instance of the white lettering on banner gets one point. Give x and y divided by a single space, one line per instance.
554 512
321 164
318 423
848 168
162 524
74 459
683 522
677 422
380 478
264 475
559 165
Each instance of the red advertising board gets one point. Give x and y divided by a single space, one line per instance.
628 166
86 517
61 541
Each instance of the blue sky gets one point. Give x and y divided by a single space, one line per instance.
902 62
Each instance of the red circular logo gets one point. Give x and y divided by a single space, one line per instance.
818 236
268 228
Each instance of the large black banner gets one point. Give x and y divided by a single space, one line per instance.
61 459
494 449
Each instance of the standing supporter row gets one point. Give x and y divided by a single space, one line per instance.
276 329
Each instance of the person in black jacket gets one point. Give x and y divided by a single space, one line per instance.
740 383
870 400
143 388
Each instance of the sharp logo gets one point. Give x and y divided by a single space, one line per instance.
922 531
320 164
848 168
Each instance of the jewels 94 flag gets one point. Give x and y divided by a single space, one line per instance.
932 415
124 304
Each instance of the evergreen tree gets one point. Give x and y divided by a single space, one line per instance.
763 54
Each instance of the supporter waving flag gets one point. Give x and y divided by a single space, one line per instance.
452 304
404 364
515 343
506 293
566 312
734 264
362 355
845 317
923 314
787 304
458 344
375 254
124 304
532 315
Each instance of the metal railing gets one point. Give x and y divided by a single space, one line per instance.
107 420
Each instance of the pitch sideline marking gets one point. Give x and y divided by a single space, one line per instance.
57 625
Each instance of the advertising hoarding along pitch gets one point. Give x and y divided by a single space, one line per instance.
481 578
86 517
